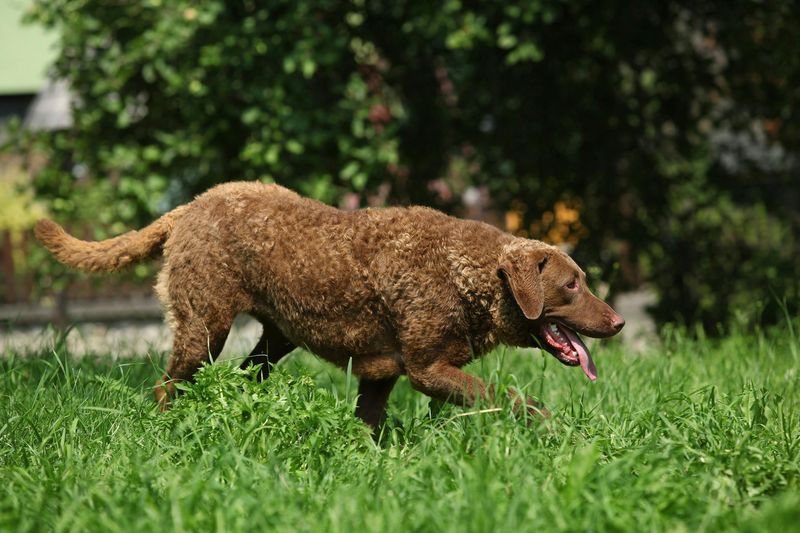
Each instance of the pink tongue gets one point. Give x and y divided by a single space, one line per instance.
583 353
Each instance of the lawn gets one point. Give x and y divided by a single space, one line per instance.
692 435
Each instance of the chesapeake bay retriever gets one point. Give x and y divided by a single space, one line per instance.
394 290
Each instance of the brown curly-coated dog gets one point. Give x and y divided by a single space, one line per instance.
396 290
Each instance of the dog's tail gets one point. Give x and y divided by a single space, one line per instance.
110 254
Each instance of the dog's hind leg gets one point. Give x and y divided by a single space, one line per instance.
201 316
195 342
271 348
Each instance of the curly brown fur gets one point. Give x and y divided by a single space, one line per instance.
111 254
397 291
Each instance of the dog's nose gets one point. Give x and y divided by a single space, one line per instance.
617 322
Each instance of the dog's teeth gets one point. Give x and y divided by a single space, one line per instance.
553 327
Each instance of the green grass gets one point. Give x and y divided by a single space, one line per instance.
695 435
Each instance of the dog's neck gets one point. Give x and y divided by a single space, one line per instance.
509 324
492 315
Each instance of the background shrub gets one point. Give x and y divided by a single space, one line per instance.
660 138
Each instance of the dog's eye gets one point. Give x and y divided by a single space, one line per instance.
572 285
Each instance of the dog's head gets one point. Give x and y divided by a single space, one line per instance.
551 293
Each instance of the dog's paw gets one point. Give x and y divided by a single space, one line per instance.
537 411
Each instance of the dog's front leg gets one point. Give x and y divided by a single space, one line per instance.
372 397
449 383
534 407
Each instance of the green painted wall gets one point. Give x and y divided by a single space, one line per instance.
25 51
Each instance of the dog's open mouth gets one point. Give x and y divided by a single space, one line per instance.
568 347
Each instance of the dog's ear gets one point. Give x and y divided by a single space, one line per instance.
523 271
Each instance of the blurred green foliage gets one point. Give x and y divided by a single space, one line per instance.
674 126
20 208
